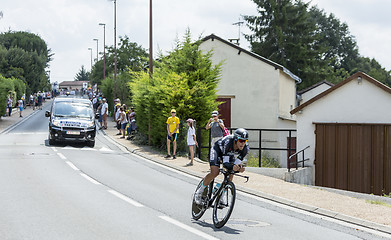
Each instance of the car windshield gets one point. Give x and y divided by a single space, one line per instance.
72 109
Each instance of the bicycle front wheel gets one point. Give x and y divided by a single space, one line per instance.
224 205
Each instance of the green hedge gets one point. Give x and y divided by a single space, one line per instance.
13 86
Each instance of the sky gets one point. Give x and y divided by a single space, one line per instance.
69 26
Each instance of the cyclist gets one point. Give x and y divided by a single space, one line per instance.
224 151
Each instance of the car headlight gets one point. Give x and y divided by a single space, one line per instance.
56 123
88 125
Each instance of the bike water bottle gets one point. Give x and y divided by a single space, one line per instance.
216 187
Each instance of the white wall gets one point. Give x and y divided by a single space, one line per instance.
287 95
253 83
313 92
261 93
351 103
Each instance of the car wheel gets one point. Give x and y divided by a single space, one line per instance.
91 144
52 141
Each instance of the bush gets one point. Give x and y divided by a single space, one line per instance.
266 161
186 80
7 87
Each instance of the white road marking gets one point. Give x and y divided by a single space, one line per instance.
103 149
72 166
187 228
54 149
88 149
125 198
28 133
68 148
90 179
61 156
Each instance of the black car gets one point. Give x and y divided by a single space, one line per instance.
71 119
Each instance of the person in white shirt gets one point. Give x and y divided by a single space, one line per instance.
104 112
20 105
191 140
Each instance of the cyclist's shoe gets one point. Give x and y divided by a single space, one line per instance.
198 196
223 201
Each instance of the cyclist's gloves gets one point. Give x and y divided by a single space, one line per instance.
229 165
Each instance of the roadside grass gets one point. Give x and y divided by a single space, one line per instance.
378 203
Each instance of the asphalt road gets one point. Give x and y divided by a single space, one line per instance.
70 191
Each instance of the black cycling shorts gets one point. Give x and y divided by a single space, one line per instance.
214 159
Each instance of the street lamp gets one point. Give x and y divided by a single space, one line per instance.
115 48
104 49
91 56
97 51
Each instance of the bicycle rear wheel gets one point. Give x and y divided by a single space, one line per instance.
224 205
197 210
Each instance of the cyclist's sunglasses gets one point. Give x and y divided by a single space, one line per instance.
242 140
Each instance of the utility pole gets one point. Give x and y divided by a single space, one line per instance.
115 48
150 41
150 65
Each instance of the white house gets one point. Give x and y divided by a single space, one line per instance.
257 93
73 85
348 131
310 92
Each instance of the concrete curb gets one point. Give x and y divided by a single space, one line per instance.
287 202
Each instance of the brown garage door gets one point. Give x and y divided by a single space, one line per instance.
354 157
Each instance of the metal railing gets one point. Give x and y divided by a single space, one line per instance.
296 163
289 149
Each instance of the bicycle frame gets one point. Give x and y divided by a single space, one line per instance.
213 195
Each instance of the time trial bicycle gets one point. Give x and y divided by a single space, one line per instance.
221 198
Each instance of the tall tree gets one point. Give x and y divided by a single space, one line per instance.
313 45
25 56
130 55
283 32
82 75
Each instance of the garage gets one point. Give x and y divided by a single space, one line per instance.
354 157
346 133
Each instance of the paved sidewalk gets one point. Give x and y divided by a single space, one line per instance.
6 122
341 205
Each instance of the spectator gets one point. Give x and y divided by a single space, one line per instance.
95 103
31 101
40 98
132 123
172 132
98 109
117 104
216 127
116 118
9 106
104 112
122 120
20 105
191 140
